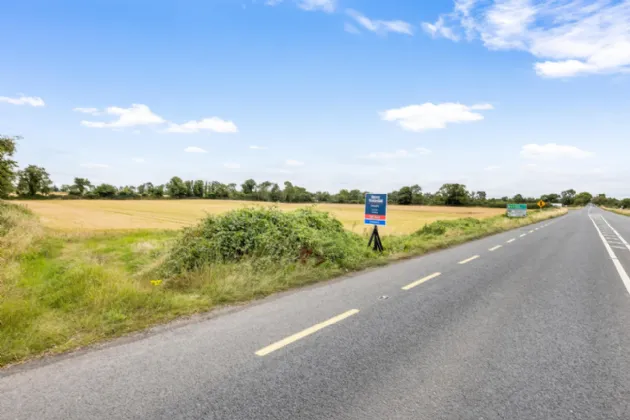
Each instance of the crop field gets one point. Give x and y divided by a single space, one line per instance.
100 215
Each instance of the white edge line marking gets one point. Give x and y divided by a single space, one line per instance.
613 257
510 241
524 234
304 333
494 248
467 260
531 231
616 233
419 282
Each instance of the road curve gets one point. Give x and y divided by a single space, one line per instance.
528 324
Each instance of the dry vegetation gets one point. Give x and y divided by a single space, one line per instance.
94 215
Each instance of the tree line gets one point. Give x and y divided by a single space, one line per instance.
34 181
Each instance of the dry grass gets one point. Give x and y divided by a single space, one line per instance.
94 215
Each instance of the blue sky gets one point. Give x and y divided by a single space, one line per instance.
507 96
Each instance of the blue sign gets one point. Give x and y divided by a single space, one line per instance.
376 209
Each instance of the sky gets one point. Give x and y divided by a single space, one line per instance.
505 96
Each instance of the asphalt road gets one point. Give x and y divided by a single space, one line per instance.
538 328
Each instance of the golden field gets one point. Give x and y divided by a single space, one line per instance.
99 215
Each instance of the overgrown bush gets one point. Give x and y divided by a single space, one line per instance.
266 235
441 227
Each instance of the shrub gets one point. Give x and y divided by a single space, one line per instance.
266 235
441 227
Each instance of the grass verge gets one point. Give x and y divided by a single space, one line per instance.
60 291
618 211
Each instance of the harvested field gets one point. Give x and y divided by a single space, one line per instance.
98 215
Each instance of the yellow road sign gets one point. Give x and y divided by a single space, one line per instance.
541 204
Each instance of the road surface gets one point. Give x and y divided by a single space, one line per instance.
528 324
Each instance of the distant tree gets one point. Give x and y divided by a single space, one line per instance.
599 200
158 191
198 188
550 198
127 191
454 194
189 188
289 192
141 189
567 197
54 188
105 191
80 186
248 187
518 198
322 196
276 193
176 188
65 188
625 203
481 196
582 199
7 165
33 180
405 196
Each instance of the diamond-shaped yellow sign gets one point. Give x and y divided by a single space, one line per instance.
541 204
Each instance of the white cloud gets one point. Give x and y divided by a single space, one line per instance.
568 37
194 149
292 162
491 168
139 160
327 6
434 116
552 151
273 2
94 165
423 151
213 124
91 111
23 100
381 26
438 29
232 165
138 114
253 147
351 29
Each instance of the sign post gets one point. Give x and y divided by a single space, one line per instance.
376 215
517 210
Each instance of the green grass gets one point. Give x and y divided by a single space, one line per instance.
63 291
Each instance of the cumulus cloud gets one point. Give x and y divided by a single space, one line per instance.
327 6
381 26
91 111
232 165
23 100
292 162
94 165
434 116
213 124
194 149
568 37
552 151
138 114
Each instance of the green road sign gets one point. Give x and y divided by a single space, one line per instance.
517 210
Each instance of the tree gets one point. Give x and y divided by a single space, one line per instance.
158 191
518 198
600 200
625 203
481 196
262 192
248 187
276 193
198 188
127 191
33 180
105 191
454 194
176 188
405 196
80 186
567 197
7 165
189 188
550 198
583 199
